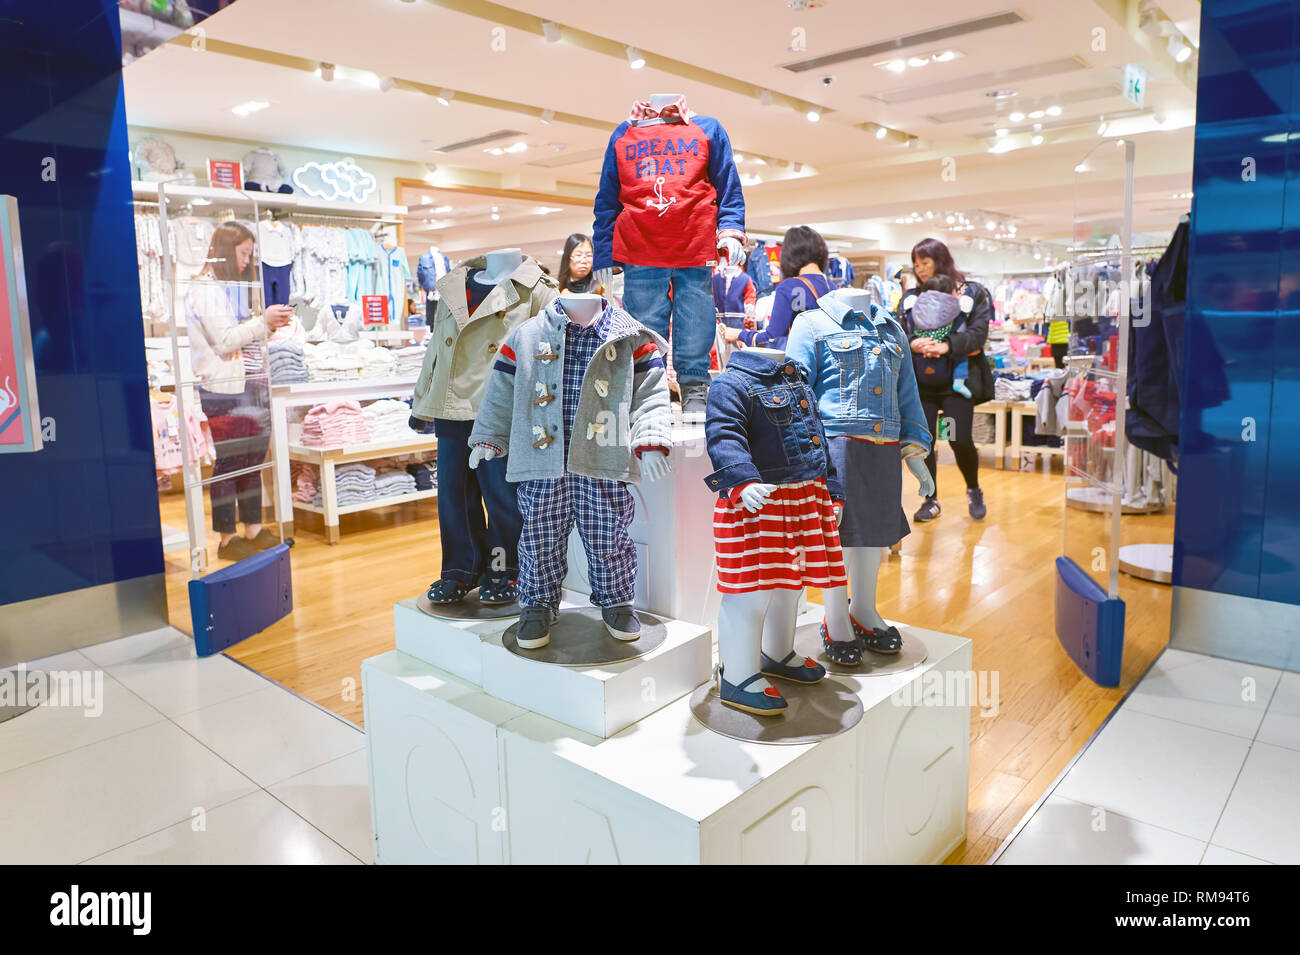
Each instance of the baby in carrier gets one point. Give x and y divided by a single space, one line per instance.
933 314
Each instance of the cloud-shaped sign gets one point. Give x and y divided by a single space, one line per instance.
335 180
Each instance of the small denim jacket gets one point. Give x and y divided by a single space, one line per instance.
761 425
861 372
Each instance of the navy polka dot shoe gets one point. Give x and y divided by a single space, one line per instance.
804 671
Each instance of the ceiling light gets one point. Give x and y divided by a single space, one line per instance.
881 132
547 210
327 72
946 55
1053 111
1036 114
440 210
517 147
547 117
798 167
551 31
252 106
1003 146
1036 140
1000 94
495 151
1082 167
1101 127
445 97
495 216
386 83
1038 127
814 115
918 61
760 161
1016 117
896 66
200 202
1179 50
929 215
496 208
634 58
1000 132
949 220
765 97
990 225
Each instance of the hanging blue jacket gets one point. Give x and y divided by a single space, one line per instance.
761 425
759 268
861 372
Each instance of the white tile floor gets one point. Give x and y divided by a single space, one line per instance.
190 762
1200 764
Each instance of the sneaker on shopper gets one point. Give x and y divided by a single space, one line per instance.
927 511
534 628
695 397
975 502
621 622
265 539
237 548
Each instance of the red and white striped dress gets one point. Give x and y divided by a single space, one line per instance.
791 543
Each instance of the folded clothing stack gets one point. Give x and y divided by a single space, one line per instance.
353 484
386 420
378 363
330 361
425 474
409 360
393 482
285 359
1012 389
335 424
306 481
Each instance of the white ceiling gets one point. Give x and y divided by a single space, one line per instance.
858 180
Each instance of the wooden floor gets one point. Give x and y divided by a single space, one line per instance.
989 581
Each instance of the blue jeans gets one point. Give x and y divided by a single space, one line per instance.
474 549
690 312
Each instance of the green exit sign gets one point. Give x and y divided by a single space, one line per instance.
1135 84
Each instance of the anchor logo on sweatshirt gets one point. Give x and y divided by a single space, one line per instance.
659 202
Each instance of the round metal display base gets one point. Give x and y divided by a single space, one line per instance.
1154 562
1096 499
914 653
814 713
467 609
579 639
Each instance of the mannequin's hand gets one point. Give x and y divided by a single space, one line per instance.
839 513
734 250
917 466
655 465
603 278
481 453
755 497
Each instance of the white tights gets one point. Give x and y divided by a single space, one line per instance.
863 566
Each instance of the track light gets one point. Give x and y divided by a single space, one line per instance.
1179 50
445 97
551 31
765 97
881 132
814 115
547 117
635 59
386 83
327 72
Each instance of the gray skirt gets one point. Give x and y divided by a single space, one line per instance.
872 475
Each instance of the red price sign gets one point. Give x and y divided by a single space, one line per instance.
225 173
374 310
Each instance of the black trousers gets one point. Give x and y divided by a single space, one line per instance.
960 413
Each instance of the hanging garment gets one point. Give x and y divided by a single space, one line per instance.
759 267
391 278
841 272
734 297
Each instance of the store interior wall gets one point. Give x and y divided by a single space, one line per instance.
1237 532
82 513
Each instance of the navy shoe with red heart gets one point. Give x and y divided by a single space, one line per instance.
768 702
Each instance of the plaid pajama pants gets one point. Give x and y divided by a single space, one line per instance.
602 510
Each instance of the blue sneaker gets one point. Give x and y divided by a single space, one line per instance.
769 702
806 671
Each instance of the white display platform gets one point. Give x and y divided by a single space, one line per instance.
600 700
458 776
673 533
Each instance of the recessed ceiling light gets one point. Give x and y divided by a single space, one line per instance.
881 132
738 157
760 161
1053 111
1000 132
1016 117
1000 94
496 208
814 115
1036 114
516 147
1038 127
495 151
441 209
495 216
1037 140
896 66
946 56
252 106
918 61
990 225
635 59
948 219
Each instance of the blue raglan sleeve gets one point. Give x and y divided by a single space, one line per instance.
778 323
608 204
725 177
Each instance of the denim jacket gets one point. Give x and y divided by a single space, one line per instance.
762 425
861 372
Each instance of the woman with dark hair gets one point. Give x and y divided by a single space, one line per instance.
935 359
226 356
575 266
804 260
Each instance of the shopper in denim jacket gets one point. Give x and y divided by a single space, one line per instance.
868 387
762 426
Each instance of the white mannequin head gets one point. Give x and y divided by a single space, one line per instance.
582 307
